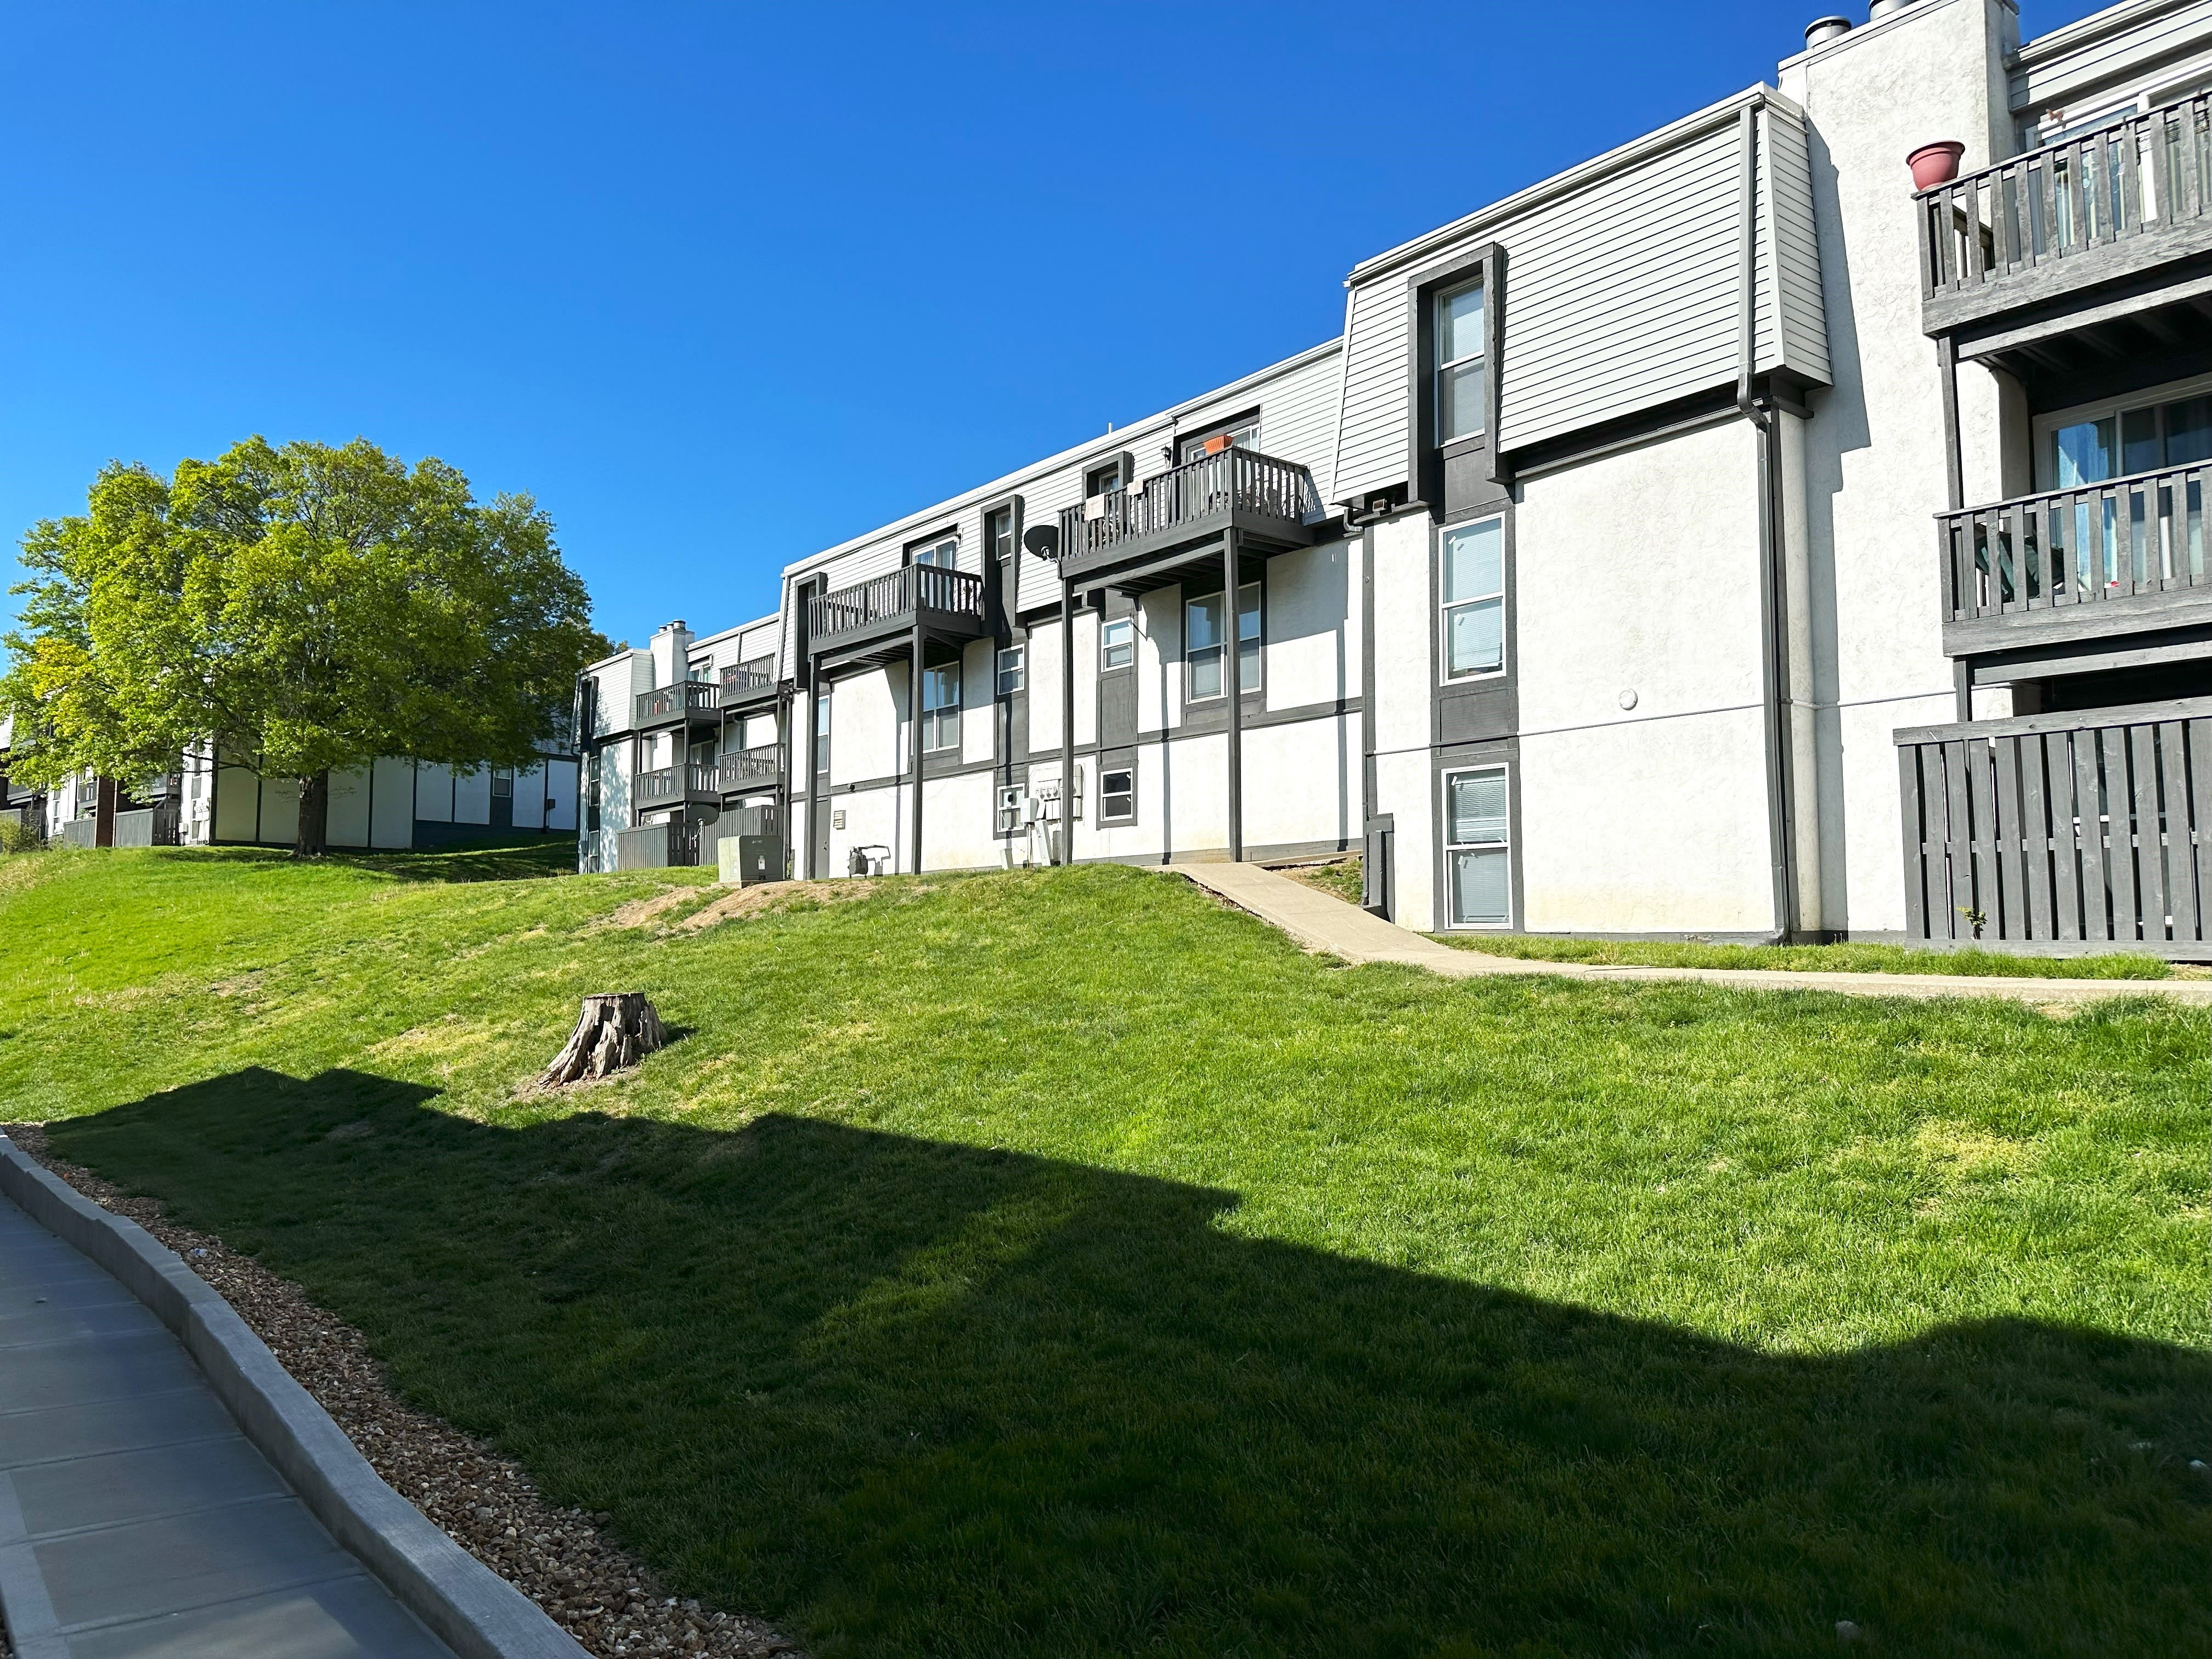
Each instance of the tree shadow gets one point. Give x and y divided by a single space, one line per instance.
921 1397
520 860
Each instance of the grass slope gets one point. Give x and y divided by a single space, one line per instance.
1060 1263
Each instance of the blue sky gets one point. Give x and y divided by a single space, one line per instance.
723 285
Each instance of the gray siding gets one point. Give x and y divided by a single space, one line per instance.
1622 289
2107 52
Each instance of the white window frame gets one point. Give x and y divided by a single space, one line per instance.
1107 793
1245 435
1504 845
1018 667
1445 607
1107 643
939 717
1258 590
2044 427
1445 365
942 552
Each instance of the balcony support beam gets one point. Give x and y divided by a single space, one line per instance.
1947 363
913 741
1233 676
1065 853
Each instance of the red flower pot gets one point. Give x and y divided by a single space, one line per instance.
1936 164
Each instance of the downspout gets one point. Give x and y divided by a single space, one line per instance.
1773 596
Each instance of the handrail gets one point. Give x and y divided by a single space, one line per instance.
2142 533
2091 188
1231 480
697 696
915 586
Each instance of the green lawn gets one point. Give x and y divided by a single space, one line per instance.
1060 1263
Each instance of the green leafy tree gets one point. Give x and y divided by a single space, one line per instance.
308 608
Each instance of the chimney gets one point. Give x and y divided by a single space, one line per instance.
1821 30
671 653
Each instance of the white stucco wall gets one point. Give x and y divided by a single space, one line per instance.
1640 571
1312 626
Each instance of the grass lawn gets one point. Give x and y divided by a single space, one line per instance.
1060 1263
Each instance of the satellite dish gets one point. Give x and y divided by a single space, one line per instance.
1043 540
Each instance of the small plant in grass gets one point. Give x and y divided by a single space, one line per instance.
17 836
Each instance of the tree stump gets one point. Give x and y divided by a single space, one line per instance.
614 1031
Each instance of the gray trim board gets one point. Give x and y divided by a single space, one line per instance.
2075 720
467 1605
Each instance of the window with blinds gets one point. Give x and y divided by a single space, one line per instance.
1478 861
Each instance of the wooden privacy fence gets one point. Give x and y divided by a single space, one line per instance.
2093 827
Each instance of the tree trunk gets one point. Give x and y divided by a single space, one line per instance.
313 834
614 1030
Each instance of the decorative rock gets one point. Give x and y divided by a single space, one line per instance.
1846 1630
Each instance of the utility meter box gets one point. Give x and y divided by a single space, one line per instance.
746 860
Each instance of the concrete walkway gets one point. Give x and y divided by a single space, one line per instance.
1321 922
136 1519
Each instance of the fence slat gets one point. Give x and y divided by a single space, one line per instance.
1959 841
2009 918
2119 845
1916 839
2199 739
2065 844
2150 851
2096 885
2181 897
2035 829
1981 818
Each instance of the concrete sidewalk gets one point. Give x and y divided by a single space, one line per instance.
136 1519
1321 922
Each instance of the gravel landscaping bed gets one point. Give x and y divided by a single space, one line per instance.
604 1598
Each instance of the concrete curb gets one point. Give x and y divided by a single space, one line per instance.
466 1605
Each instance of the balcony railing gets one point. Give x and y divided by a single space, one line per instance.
1240 481
666 785
748 681
918 587
686 700
2098 190
2061 828
750 768
2144 533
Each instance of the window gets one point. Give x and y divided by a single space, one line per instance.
703 670
1461 372
1243 434
1117 795
945 552
941 708
1117 643
1479 865
1011 658
2116 442
1099 480
1202 642
822 734
1472 589
502 784
998 535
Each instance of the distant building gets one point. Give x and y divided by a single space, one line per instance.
1729 537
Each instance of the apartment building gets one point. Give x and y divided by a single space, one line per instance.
1723 537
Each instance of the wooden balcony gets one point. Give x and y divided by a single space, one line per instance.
2062 830
1144 537
688 703
670 786
748 684
2122 557
877 620
748 771
2109 210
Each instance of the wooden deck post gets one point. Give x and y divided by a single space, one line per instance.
1233 685
1065 853
913 726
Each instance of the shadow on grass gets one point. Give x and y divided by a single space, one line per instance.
519 862
913 1397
